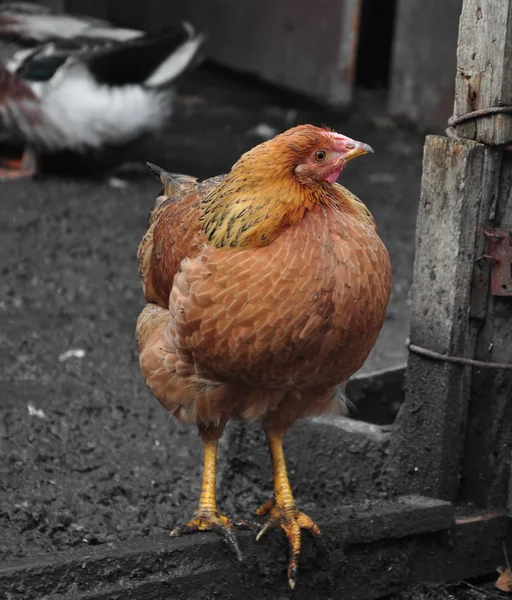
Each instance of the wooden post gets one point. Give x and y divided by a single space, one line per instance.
454 433
428 441
484 69
484 80
424 60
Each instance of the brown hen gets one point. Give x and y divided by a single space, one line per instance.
266 290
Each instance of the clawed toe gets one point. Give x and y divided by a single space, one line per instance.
291 520
217 523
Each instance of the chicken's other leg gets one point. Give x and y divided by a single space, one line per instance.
282 510
208 517
18 168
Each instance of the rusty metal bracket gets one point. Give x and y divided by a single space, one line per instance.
500 252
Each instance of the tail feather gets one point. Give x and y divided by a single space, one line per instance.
155 169
25 8
30 28
173 183
178 61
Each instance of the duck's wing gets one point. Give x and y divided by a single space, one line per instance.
38 64
31 26
153 60
24 8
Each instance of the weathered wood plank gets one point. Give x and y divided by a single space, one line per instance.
377 396
484 73
484 80
448 404
509 498
193 565
286 43
202 567
486 474
427 445
424 61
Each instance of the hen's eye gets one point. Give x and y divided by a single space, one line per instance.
320 155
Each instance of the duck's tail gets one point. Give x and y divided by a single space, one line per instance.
178 60
153 60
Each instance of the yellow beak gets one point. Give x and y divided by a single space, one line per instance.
358 150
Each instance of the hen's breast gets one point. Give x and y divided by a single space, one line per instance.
304 311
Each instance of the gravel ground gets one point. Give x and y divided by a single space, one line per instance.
86 454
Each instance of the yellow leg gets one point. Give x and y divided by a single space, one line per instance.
208 499
207 517
282 510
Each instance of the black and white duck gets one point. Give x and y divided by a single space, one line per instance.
82 93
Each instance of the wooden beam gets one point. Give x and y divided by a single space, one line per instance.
403 542
484 73
424 61
427 445
202 566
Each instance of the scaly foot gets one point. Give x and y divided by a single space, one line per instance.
291 520
218 523
18 168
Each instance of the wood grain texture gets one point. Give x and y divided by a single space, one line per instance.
484 80
427 448
375 549
484 75
195 567
455 428
487 463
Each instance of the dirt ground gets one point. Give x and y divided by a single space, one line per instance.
460 590
86 454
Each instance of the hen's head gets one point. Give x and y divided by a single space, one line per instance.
311 154
272 186
318 155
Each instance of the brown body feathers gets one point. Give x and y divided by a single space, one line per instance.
265 290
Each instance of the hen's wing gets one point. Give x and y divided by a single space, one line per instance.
174 232
302 312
